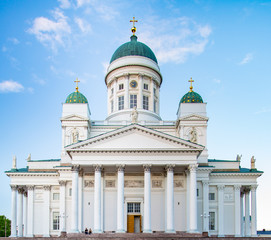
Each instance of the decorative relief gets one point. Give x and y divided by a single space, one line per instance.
237 187
47 187
178 183
220 187
205 183
228 197
157 183
110 183
89 183
39 196
134 183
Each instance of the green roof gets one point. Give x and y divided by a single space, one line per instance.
133 48
240 170
191 97
46 160
76 97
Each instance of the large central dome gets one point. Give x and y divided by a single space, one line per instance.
133 48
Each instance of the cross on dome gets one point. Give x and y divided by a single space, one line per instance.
191 87
77 81
133 28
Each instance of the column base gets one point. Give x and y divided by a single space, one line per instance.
170 231
120 231
193 231
147 231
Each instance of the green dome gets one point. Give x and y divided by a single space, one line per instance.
76 97
133 48
191 97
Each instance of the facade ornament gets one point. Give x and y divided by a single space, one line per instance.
193 135
134 115
75 168
237 187
238 157
75 135
147 167
47 187
29 157
252 163
220 187
193 167
62 183
14 162
97 167
120 167
170 167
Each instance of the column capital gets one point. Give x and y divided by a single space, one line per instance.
81 173
97 167
246 189
30 187
220 187
253 187
205 183
170 167
47 187
147 167
237 187
120 167
20 190
13 187
62 182
193 167
25 194
75 168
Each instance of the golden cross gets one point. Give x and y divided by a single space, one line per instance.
77 81
191 87
133 28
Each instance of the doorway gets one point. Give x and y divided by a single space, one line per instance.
133 217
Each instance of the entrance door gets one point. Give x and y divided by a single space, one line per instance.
133 218
137 224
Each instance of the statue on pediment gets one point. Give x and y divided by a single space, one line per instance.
193 135
134 115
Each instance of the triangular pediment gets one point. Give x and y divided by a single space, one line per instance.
193 117
136 138
74 117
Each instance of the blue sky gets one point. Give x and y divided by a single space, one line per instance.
223 45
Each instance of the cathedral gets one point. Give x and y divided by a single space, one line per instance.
133 171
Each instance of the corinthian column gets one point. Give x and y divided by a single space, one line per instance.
193 198
120 199
13 210
253 211
20 212
247 213
62 206
25 214
46 211
220 210
147 199
170 227
74 222
237 210
205 206
30 211
97 199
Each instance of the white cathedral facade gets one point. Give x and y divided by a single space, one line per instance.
134 172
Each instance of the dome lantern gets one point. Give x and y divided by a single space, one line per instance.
76 97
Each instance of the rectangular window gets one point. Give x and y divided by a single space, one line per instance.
154 105
146 86
211 220
121 86
55 196
211 196
130 208
55 220
121 102
145 102
137 207
133 207
112 106
133 101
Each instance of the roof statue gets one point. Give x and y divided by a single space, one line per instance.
14 162
134 115
238 157
252 162
29 157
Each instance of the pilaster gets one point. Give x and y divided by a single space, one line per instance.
205 214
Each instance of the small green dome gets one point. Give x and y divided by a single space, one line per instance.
76 97
133 48
191 97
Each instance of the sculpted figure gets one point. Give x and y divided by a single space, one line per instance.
238 158
14 162
74 135
193 135
134 115
252 162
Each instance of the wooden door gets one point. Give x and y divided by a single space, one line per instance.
130 223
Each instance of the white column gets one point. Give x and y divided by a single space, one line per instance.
46 211
205 206
247 213
20 212
187 200
220 210
126 93
147 199
30 211
62 206
13 210
80 202
120 200
253 211
25 214
242 215
193 198
74 217
237 210
170 228
97 199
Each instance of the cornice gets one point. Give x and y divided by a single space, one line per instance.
230 174
33 174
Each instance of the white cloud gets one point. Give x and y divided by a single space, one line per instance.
81 3
51 32
38 79
246 59
105 66
263 110
65 4
14 40
83 25
11 86
216 80
175 39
